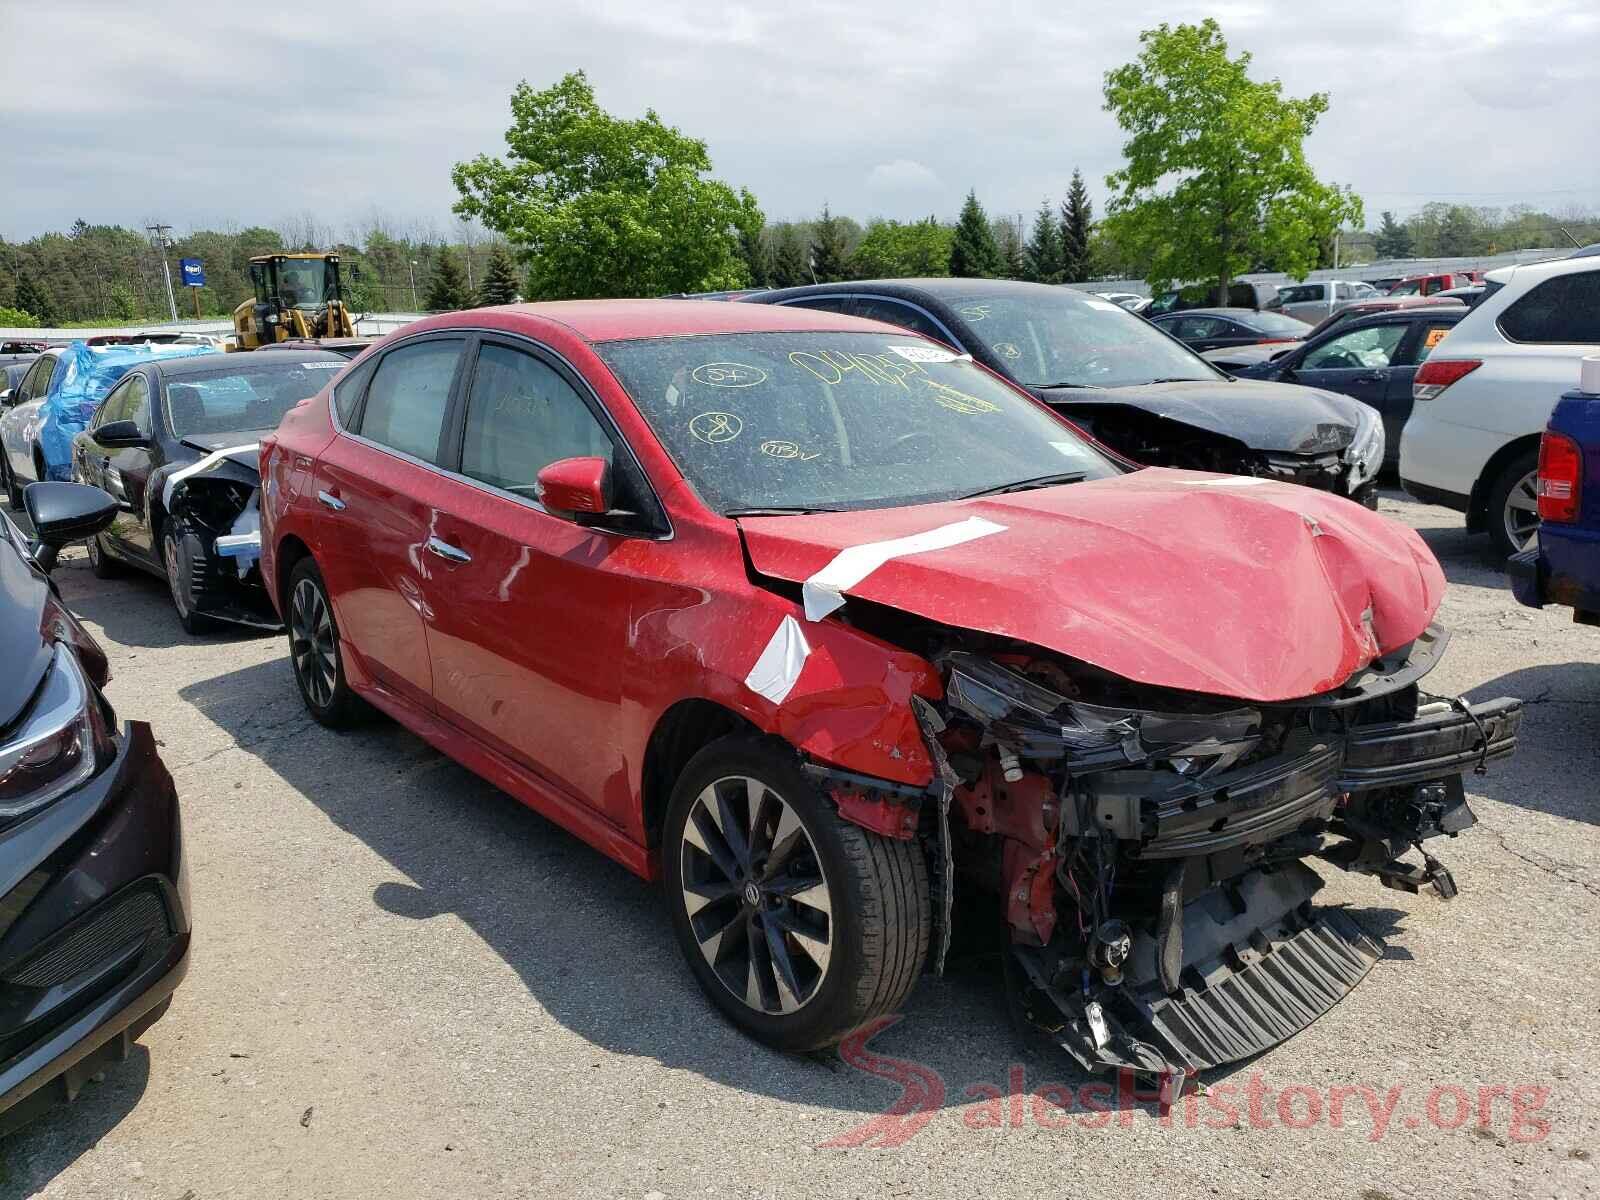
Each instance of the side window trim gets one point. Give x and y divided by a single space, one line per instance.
143 420
948 339
113 398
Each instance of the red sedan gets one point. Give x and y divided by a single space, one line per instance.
831 627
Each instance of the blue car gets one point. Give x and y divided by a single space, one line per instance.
1563 565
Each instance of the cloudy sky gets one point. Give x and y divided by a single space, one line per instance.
235 114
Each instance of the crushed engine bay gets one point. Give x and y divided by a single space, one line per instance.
1150 847
215 510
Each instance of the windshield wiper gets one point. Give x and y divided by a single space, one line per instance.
1023 485
1175 379
1091 387
776 511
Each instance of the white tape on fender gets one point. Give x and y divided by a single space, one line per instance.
779 666
215 456
823 592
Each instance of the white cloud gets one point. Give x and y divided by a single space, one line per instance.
217 114
901 175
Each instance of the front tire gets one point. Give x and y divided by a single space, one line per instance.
1514 505
101 563
798 925
193 623
315 652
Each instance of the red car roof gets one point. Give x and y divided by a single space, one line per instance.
613 320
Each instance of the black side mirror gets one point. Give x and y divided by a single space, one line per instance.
120 433
63 513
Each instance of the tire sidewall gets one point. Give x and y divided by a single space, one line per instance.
339 710
776 766
1514 473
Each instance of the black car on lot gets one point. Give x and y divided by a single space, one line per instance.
94 905
1138 390
1213 328
1372 359
176 442
1242 293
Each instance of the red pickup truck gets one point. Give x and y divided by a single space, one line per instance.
1427 285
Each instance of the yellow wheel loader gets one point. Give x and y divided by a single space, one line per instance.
297 296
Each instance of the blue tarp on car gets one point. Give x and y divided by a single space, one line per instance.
84 376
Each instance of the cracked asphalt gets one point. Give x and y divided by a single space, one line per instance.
406 985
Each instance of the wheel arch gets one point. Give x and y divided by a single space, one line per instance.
681 732
288 554
1478 502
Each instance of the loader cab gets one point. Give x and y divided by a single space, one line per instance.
296 295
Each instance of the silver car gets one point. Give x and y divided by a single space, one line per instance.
20 418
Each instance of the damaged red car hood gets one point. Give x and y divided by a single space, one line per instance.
1209 583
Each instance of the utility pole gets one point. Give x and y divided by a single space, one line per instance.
160 238
414 307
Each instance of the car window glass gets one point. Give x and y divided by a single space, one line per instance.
880 308
1427 338
1409 288
115 406
347 395
822 303
521 417
1358 349
254 394
34 384
406 402
1564 310
136 403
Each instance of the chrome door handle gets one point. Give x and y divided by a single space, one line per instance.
329 500
448 552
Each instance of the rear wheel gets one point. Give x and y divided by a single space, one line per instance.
798 925
315 653
1514 504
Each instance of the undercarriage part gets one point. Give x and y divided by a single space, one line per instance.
1260 963
944 782
1169 930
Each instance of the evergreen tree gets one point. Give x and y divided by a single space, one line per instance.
1044 262
829 248
757 259
1077 219
447 290
500 283
1014 256
1458 233
790 266
973 253
1393 239
31 299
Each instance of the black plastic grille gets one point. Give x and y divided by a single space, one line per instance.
137 914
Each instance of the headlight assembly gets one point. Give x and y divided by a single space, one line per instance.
1365 455
60 741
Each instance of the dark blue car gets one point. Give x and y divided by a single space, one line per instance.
1372 359
1563 565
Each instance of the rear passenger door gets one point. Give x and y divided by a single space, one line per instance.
377 486
1397 399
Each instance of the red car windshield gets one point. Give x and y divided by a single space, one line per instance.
817 421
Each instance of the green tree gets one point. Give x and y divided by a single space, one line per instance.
16 318
791 257
500 283
756 255
830 248
604 206
1045 264
973 253
1393 239
892 250
1013 253
1215 176
1077 220
447 289
1458 234
31 299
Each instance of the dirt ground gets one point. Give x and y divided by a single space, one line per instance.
406 985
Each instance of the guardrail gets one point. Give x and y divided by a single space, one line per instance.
367 325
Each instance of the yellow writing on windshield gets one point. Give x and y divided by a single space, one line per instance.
832 366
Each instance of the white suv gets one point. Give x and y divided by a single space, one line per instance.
1482 398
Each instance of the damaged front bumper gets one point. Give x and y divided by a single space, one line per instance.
1160 905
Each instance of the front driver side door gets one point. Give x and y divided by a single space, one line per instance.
527 656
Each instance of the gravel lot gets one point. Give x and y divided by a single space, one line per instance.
404 984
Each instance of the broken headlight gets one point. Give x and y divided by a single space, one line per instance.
1365 455
60 742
